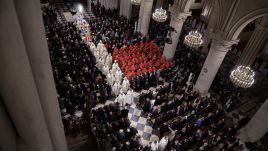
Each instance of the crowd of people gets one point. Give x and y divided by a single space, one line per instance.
115 31
86 75
79 83
140 59
112 128
187 121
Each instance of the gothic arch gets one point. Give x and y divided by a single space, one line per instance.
246 19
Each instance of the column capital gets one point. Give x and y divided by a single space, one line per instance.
220 43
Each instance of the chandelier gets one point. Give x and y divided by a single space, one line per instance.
135 2
242 76
193 39
160 15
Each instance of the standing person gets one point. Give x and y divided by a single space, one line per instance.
163 143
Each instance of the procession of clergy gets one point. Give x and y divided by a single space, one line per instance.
104 80
137 60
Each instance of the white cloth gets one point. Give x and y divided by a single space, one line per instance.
118 75
114 67
162 144
105 70
124 99
120 99
125 85
78 113
116 88
154 146
110 79
189 79
129 97
109 60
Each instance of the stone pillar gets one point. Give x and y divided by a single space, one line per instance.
18 88
210 27
177 23
105 3
114 4
128 9
38 54
257 126
217 52
122 5
89 5
207 10
8 136
255 44
145 16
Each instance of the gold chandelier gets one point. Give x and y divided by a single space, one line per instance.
135 2
193 39
160 15
242 76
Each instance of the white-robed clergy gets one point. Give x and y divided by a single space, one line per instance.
189 79
100 45
110 79
121 99
129 97
109 60
154 146
92 46
118 75
125 85
116 88
115 67
163 143
105 70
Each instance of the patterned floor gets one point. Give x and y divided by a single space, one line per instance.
136 116
139 121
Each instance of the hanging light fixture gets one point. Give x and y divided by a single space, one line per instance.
242 76
135 2
193 39
160 15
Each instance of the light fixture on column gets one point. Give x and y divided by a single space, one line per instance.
135 2
160 15
193 39
242 76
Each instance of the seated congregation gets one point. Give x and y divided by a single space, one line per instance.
96 80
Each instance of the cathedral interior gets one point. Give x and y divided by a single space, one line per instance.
134 75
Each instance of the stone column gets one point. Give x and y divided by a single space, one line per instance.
128 9
114 4
18 88
122 5
145 16
255 44
105 3
210 28
8 138
257 126
176 22
89 5
217 52
207 10
31 23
